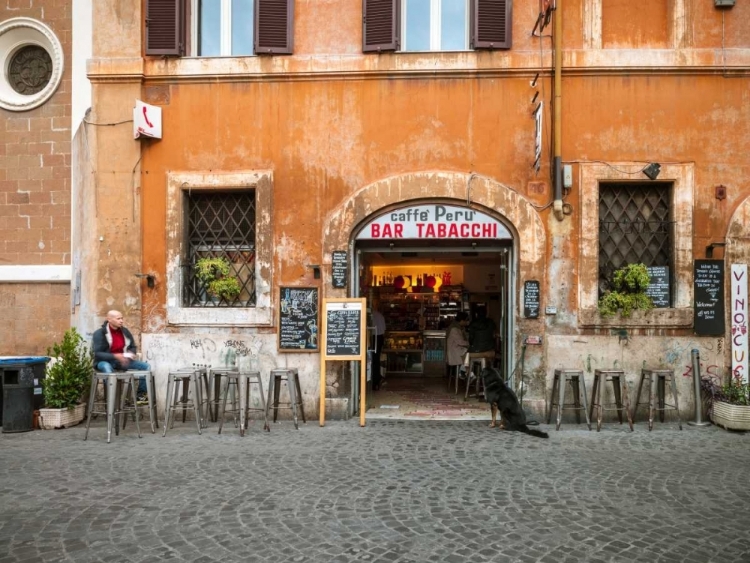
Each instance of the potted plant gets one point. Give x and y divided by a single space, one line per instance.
214 274
629 294
729 404
68 377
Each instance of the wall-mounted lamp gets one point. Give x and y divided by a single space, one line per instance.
316 270
150 279
652 170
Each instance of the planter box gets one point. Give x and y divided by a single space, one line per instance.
61 418
731 417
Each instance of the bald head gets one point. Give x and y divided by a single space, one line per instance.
115 320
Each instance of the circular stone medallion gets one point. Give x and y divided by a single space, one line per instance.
30 70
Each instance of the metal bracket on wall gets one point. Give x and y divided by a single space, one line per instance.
710 248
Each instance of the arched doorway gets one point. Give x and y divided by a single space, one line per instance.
416 228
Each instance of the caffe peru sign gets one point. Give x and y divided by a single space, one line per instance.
434 221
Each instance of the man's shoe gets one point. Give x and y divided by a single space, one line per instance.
142 399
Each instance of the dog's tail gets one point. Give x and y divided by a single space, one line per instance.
532 432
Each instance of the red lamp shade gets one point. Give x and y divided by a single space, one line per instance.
430 281
398 282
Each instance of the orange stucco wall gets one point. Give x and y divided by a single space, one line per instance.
639 85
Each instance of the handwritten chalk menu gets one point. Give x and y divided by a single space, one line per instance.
658 289
298 319
343 329
531 299
338 268
708 310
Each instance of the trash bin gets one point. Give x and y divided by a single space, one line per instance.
21 391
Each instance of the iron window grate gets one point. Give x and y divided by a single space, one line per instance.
221 225
635 226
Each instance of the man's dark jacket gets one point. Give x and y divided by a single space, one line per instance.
102 343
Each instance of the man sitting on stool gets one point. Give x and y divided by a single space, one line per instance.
115 349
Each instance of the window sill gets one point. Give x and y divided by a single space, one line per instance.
660 318
219 316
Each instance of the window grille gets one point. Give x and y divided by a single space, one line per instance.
220 225
635 226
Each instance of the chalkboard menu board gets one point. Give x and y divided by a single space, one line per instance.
343 329
338 273
658 288
531 299
708 310
298 319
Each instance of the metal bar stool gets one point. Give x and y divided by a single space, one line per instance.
620 389
203 371
174 402
657 378
453 373
214 383
113 385
479 360
150 390
291 376
575 378
242 381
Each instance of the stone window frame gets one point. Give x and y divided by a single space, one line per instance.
680 315
177 184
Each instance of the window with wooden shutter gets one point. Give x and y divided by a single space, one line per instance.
274 30
165 27
380 25
491 24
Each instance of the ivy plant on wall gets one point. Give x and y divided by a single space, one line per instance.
631 283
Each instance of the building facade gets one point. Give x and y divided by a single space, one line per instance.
294 129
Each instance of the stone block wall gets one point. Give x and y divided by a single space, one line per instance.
35 224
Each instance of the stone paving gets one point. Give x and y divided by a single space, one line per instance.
392 492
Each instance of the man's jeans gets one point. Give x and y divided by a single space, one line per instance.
106 367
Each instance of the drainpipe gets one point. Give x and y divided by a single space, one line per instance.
557 206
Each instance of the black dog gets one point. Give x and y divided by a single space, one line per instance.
502 398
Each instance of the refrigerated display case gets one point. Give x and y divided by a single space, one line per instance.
434 352
403 350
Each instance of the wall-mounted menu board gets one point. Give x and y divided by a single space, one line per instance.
298 319
708 309
343 328
531 299
338 268
658 287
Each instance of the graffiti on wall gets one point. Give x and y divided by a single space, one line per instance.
175 351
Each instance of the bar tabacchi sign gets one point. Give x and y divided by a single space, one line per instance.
434 221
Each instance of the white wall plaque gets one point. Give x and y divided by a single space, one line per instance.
738 309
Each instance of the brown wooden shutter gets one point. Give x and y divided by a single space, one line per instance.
491 24
274 29
165 27
380 25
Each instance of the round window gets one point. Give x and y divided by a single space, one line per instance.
30 70
31 64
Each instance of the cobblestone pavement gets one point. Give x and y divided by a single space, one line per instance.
394 491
